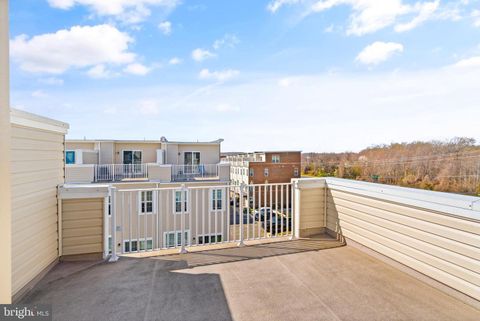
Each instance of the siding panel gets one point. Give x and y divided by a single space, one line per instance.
82 226
37 170
442 246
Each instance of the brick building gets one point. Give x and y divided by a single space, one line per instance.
264 167
272 167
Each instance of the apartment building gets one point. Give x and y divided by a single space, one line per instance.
171 174
94 161
264 167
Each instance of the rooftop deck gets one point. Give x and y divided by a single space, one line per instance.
308 279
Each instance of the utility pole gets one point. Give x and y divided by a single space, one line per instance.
5 185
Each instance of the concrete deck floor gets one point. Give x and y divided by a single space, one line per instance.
293 280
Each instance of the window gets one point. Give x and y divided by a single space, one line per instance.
146 202
216 199
132 245
174 238
191 158
132 157
295 172
70 157
109 206
207 239
265 172
252 172
275 158
178 201
109 244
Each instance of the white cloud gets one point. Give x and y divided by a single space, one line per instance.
228 41
218 75
77 47
129 11
425 12
226 108
51 81
149 107
471 62
99 72
275 5
165 27
202 54
137 69
476 18
175 61
368 16
39 94
378 52
286 82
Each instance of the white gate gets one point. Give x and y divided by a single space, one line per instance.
151 219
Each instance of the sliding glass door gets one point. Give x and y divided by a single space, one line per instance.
191 161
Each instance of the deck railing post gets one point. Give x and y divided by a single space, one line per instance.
183 200
113 207
240 214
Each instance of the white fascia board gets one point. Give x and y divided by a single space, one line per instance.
23 118
79 191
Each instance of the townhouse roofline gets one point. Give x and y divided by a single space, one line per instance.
23 118
144 141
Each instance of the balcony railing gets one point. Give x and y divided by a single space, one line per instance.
194 172
119 172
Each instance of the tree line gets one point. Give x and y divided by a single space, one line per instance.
447 166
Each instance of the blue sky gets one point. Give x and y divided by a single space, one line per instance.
311 75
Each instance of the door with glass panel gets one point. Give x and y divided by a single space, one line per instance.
191 162
132 161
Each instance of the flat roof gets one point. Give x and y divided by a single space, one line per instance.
144 141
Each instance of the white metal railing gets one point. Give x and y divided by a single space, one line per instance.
192 172
118 172
165 218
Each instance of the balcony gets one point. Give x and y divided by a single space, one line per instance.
107 173
194 172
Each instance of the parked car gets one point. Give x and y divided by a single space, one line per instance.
264 211
276 224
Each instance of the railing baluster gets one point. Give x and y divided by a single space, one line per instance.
282 208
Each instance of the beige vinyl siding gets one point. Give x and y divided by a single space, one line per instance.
441 246
82 226
79 173
134 226
149 151
79 145
312 202
37 159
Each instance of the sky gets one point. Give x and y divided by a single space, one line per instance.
310 75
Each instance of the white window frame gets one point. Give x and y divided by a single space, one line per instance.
192 152
177 244
296 172
109 206
209 235
185 202
276 159
211 199
266 172
138 245
132 150
251 172
140 202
